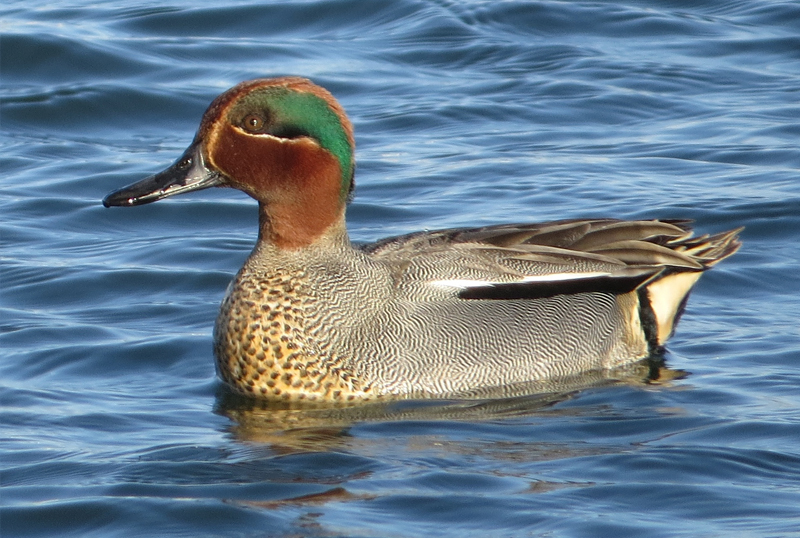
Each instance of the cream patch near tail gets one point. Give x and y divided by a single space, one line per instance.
666 296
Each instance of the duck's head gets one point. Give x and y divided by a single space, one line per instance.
284 141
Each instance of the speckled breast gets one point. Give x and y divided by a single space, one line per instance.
263 346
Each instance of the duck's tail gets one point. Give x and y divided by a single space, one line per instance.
667 293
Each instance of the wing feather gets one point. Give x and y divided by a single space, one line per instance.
540 260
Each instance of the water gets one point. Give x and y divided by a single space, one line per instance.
466 113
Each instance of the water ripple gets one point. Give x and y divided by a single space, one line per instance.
466 113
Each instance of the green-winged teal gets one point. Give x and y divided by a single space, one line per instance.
311 316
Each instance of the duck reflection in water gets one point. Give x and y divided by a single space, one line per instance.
296 427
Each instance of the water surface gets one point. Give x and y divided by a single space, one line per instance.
466 113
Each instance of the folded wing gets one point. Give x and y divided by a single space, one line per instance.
530 261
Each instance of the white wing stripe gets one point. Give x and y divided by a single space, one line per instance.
555 277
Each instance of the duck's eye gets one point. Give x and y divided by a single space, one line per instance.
253 123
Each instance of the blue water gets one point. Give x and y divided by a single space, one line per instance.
466 113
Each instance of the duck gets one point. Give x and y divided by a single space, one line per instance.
432 314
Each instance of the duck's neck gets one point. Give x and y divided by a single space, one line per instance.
290 228
301 196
